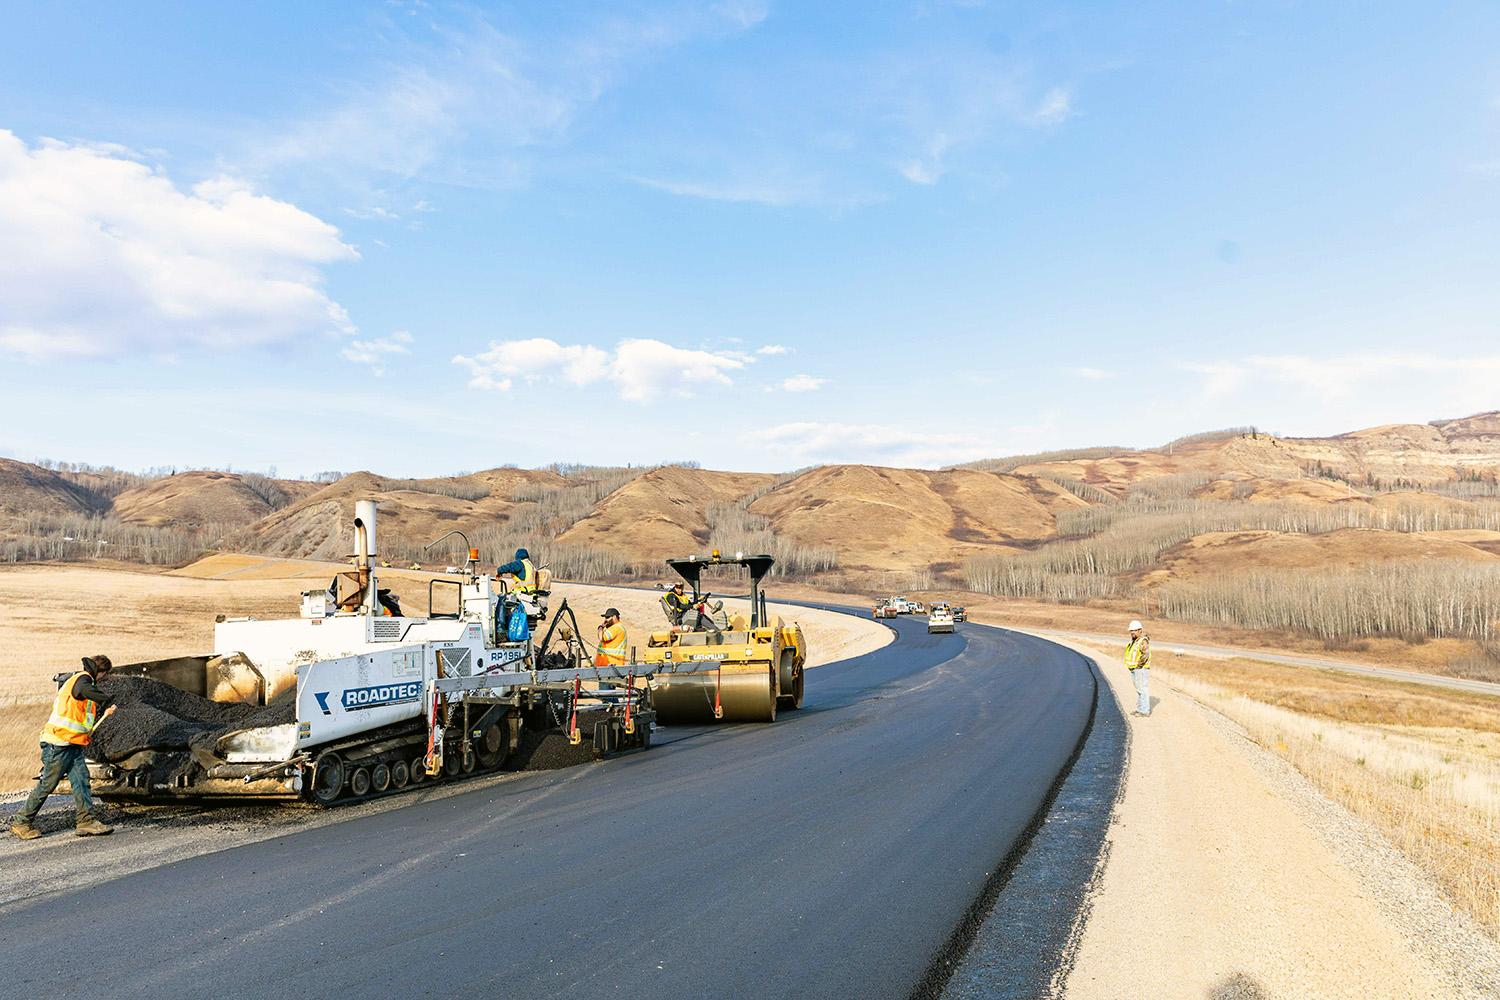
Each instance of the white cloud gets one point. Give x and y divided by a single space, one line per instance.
768 191
802 383
639 369
770 350
374 212
459 101
1342 375
742 13
375 353
1218 378
919 173
1055 108
928 169
102 255
811 441
1333 394
1092 374
532 361
644 368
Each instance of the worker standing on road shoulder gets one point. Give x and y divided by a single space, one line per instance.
75 713
612 641
1138 662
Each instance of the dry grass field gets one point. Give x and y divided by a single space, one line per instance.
55 614
1452 657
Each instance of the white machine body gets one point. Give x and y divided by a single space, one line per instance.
355 672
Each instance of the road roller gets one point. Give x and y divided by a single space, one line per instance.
744 667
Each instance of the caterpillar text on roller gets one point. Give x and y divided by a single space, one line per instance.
754 665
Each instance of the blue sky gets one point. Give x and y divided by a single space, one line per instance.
422 237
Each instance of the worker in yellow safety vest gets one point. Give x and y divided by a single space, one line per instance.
1138 662
75 714
523 570
677 603
612 641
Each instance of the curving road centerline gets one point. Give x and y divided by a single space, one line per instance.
832 854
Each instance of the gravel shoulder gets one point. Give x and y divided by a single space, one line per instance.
1229 877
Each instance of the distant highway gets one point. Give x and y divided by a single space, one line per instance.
832 854
1292 659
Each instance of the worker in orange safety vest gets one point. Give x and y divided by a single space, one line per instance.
612 641
69 729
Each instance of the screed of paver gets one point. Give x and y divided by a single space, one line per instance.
1216 888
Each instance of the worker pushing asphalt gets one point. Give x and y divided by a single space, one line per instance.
69 729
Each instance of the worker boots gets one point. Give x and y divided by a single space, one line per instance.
91 827
24 830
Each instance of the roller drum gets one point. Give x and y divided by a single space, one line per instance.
746 696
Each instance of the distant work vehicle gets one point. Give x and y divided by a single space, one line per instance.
736 667
940 620
916 608
884 609
960 613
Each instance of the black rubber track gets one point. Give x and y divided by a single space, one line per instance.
831 854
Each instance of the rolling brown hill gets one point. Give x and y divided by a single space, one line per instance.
662 513
1418 454
905 519
197 499
412 512
857 520
28 491
1228 552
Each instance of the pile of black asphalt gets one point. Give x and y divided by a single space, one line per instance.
547 751
150 715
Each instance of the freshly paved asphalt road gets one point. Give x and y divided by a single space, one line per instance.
832 854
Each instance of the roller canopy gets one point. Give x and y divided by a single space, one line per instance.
691 569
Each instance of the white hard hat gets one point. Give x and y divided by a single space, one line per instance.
1135 625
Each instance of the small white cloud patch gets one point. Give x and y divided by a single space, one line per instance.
813 441
802 383
638 369
1055 108
375 353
